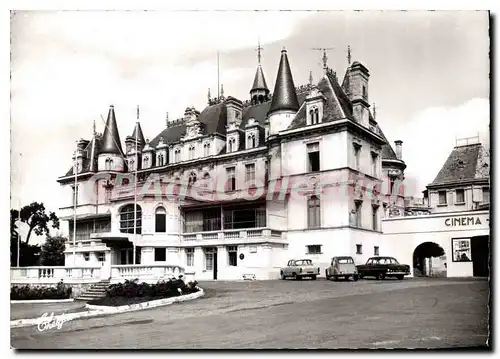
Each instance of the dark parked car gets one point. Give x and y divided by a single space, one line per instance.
382 267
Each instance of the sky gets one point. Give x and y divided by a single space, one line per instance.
429 76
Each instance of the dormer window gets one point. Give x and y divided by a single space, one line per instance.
108 164
161 160
177 155
232 145
314 116
251 141
192 179
206 149
191 152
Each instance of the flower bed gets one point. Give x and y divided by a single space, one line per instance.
37 293
132 292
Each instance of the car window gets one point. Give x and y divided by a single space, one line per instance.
370 261
394 261
346 261
303 262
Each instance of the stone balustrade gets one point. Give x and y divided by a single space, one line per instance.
150 273
42 275
232 234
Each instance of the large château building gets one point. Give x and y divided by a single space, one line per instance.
241 186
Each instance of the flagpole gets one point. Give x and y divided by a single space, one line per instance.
135 187
75 199
19 214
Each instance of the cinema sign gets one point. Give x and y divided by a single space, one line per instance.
464 221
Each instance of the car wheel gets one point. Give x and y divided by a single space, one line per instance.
335 278
355 277
326 274
400 277
313 277
360 276
380 276
282 276
295 276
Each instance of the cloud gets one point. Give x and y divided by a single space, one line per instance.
431 135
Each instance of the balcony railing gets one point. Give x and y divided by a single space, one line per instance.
49 275
233 234
145 272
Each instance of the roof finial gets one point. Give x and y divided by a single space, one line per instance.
166 119
324 59
374 111
137 113
310 78
93 128
283 49
209 98
349 55
259 49
222 90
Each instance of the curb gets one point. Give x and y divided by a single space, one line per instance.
95 310
35 301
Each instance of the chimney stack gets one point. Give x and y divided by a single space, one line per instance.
399 149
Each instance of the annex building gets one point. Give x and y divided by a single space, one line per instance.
239 187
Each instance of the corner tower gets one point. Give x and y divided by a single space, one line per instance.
111 153
284 103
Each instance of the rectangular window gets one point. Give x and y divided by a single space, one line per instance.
245 217
101 256
459 196
190 257
375 251
313 212
313 157
374 218
209 261
359 249
231 179
86 256
391 186
314 249
357 151
374 164
442 197
232 253
107 197
160 254
160 222
357 213
250 172
266 169
486 195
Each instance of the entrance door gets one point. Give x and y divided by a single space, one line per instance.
215 265
480 256
104 259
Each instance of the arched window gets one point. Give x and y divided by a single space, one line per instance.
316 115
177 155
161 160
251 141
192 179
127 219
160 220
232 146
311 117
206 176
108 163
206 149
191 152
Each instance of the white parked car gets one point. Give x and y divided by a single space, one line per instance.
299 268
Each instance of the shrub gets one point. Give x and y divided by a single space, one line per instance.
162 289
28 292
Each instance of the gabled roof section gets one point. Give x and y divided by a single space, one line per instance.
462 164
259 82
92 152
111 138
336 105
284 95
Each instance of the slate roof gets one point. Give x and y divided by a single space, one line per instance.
462 164
259 82
387 150
111 138
90 163
140 136
284 95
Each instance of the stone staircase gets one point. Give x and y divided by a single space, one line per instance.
95 292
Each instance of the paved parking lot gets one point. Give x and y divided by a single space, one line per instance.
413 313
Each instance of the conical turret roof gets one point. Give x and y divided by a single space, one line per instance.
111 138
140 136
259 82
284 96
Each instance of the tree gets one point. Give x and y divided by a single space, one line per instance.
37 220
53 251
